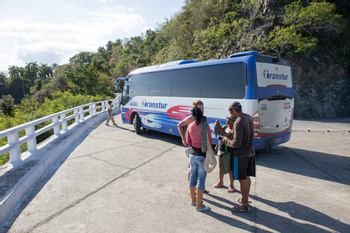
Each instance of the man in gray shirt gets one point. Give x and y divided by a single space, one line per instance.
242 147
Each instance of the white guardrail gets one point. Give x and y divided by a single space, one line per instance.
59 124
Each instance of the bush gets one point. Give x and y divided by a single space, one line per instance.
7 105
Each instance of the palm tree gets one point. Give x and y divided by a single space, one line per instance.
2 77
3 83
15 72
34 68
53 67
45 71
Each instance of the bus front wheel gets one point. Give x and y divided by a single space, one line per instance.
137 124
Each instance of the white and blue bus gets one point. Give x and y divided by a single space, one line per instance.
116 83
159 97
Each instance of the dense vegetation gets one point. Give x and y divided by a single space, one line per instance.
312 35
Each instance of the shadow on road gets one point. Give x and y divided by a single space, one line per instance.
314 164
302 218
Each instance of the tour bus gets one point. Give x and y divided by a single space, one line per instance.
159 97
116 83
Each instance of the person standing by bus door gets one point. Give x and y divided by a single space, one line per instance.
110 114
188 120
242 146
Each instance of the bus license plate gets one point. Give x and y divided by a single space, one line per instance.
276 140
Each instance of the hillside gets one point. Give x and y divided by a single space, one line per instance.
312 35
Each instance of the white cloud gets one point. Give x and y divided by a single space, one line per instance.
34 41
102 1
53 31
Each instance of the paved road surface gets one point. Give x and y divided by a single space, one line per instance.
117 181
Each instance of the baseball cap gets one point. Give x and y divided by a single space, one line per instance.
234 105
232 118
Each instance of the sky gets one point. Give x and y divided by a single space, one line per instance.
52 31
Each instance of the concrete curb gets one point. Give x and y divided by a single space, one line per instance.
49 155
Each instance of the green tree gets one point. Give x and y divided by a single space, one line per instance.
7 105
85 78
45 71
316 19
283 39
31 70
16 80
60 80
3 84
81 58
304 27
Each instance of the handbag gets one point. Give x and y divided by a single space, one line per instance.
226 161
210 159
187 152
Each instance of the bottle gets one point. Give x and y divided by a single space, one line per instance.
215 131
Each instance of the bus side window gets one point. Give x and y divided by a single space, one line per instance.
186 83
161 83
223 81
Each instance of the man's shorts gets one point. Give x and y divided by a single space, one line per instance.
243 167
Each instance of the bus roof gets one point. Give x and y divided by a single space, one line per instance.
245 54
179 63
168 64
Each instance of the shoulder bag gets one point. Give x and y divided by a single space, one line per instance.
210 159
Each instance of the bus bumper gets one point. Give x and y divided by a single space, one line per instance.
267 142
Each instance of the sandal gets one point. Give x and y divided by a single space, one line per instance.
205 209
194 204
242 208
231 190
218 185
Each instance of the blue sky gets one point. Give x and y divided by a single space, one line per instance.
52 31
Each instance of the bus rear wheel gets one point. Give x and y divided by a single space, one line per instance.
137 124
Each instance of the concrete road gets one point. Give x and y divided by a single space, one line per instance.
117 181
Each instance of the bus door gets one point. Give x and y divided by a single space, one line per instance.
125 95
